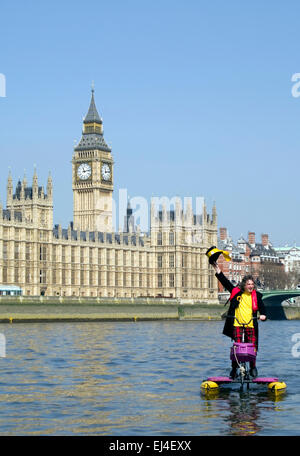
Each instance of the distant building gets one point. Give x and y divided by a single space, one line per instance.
290 257
87 258
248 256
240 255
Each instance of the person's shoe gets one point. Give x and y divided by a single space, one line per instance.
233 373
253 372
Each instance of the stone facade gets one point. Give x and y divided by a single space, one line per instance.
88 258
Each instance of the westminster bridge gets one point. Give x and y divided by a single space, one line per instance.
278 303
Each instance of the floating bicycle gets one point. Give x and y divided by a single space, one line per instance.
243 353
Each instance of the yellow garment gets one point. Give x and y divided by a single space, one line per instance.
244 311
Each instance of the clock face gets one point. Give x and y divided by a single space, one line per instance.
105 172
84 171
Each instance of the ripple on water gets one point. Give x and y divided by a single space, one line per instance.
116 378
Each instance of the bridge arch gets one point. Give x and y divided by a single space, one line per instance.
275 297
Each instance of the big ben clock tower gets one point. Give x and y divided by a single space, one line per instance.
92 179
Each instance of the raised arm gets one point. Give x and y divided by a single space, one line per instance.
220 276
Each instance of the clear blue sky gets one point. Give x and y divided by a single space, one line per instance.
195 97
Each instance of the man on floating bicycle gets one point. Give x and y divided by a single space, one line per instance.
245 301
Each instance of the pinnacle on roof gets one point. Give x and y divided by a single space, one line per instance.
92 115
92 135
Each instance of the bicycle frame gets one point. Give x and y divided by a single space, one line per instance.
244 375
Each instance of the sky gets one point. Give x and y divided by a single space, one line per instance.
196 97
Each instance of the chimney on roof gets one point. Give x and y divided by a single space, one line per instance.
223 234
251 238
265 240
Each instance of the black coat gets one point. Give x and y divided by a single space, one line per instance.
234 303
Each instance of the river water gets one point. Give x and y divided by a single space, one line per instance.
142 378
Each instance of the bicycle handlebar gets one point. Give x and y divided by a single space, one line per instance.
243 324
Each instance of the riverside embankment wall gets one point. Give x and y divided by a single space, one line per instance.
29 309
43 309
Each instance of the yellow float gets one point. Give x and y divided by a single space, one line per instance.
277 386
209 385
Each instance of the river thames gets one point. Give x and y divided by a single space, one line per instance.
142 378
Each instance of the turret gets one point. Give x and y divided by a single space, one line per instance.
24 182
31 202
35 186
49 187
9 191
214 214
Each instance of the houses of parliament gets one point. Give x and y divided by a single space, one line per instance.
89 259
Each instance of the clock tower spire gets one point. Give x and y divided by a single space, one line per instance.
92 166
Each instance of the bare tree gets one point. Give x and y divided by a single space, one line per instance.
273 276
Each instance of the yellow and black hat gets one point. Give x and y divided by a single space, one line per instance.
213 254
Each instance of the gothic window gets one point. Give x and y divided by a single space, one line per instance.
159 280
43 252
27 276
42 276
132 258
210 280
73 277
81 255
159 238
108 278
27 251
5 250
140 259
4 275
17 250
171 280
